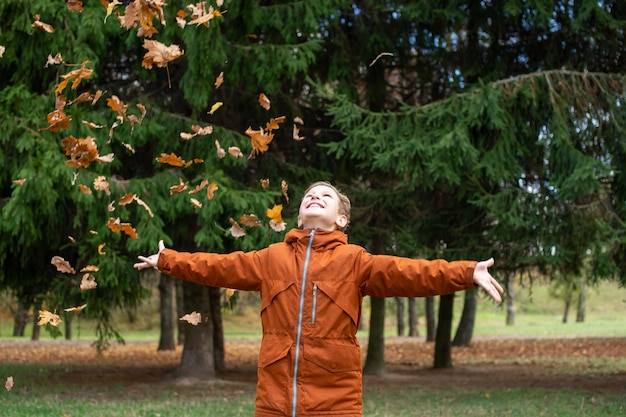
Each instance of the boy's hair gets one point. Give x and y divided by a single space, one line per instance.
344 201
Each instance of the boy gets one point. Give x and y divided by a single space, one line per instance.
312 285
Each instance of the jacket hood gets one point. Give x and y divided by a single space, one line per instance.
323 238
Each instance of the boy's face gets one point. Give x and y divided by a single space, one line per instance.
320 208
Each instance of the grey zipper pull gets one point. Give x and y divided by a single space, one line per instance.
314 303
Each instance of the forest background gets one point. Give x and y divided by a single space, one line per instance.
460 130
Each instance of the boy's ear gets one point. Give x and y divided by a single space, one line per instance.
299 222
342 221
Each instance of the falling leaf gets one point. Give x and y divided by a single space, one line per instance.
143 12
100 247
265 182
199 187
194 318
92 125
180 18
195 203
100 183
78 75
249 220
275 214
202 131
8 384
229 292
235 229
219 80
235 151
159 54
210 191
171 159
84 189
214 107
116 226
141 203
110 6
284 188
82 152
21 181
71 239
274 122
264 101
296 133
117 106
90 268
277 226
75 5
298 120
186 136
179 188
200 15
126 199
75 309
2 49
57 120
46 317
41 25
88 282
62 265
220 151
53 60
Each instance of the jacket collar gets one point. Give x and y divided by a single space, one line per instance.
323 239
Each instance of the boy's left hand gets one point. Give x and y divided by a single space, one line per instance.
483 279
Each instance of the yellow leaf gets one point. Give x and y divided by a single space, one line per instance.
214 107
275 213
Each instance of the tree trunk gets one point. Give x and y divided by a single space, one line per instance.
413 319
510 300
20 318
67 321
375 359
180 311
568 302
36 327
443 346
219 354
464 332
582 302
429 312
400 315
166 309
197 357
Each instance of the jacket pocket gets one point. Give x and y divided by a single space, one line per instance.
344 295
273 388
331 373
270 289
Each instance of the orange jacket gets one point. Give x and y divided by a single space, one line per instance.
312 334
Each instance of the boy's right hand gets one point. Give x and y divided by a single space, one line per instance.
150 261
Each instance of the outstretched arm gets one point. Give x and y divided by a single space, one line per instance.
483 279
149 261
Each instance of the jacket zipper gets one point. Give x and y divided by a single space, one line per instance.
314 303
294 386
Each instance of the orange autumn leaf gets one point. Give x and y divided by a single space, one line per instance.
84 189
75 309
160 55
194 318
62 265
264 101
219 80
179 188
194 202
235 151
171 159
199 187
210 191
265 182
57 120
88 282
116 226
77 75
143 12
83 152
117 106
249 220
296 133
260 140
126 199
46 317
20 181
90 268
75 5
41 25
274 122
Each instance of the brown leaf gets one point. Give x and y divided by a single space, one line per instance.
158 54
88 282
62 265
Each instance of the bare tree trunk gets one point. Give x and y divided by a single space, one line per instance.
166 309
582 302
67 321
36 328
219 354
510 299
413 320
400 315
20 318
443 345
464 332
180 311
197 357
375 359
429 311
568 302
